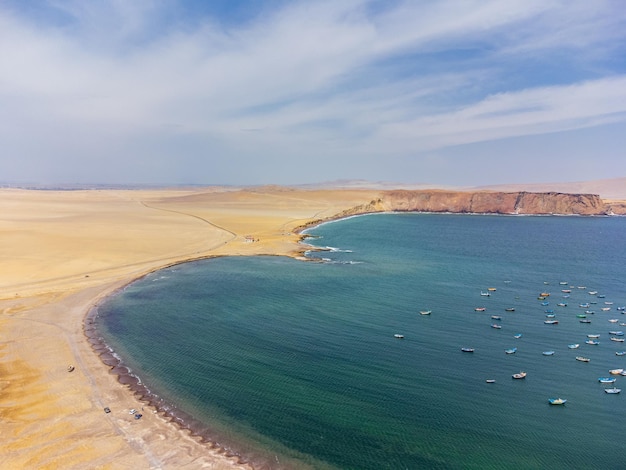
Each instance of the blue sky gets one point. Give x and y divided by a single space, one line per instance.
244 92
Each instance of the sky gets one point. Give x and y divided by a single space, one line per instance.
250 92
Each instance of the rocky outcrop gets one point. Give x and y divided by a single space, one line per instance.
488 202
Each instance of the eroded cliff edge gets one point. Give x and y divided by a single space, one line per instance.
485 202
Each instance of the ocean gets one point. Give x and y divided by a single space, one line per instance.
294 364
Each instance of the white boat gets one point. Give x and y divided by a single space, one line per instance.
480 309
582 359
592 341
548 353
397 336
519 375
551 322
425 312
510 351
491 381
592 292
605 309
593 336
617 340
613 320
517 336
557 401
620 353
613 390
562 304
496 326
485 294
573 346
469 350
616 333
616 371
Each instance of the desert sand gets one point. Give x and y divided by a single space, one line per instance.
61 252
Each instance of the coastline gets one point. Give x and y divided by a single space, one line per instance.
53 418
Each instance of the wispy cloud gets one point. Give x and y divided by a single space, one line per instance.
352 79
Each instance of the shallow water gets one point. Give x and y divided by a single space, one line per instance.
295 364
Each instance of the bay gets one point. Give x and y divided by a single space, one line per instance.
295 364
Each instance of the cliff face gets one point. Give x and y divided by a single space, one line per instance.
493 202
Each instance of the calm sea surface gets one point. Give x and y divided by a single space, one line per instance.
297 365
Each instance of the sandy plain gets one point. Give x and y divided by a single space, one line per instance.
62 251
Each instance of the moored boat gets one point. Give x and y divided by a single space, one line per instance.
573 346
496 326
491 381
585 321
557 401
612 390
582 359
617 340
562 304
616 333
510 309
517 335
593 336
496 317
620 353
548 353
519 375
485 294
551 322
616 371
592 342
480 309
425 312
397 336
607 380
468 350
510 351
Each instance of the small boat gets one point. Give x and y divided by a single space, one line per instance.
496 317
617 340
551 322
613 320
613 390
573 346
425 312
585 321
616 333
593 336
590 312
585 305
562 304
605 309
550 315
582 359
496 326
397 336
620 353
608 303
480 309
563 283
510 309
548 353
491 289
517 336
545 294
607 380
621 309
566 291
581 315
485 294
541 298
592 342
491 381
549 310
467 349
616 371
592 292
582 287
510 351
601 296
557 401
545 303
519 375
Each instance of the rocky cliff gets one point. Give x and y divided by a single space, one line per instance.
493 202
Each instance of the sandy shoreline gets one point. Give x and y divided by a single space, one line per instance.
62 252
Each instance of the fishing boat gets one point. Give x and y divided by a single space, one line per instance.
557 401
491 381
425 312
517 336
585 305
573 346
397 336
561 304
616 333
510 351
620 353
566 291
545 294
613 320
548 353
593 336
607 380
590 312
519 375
582 359
485 294
551 322
605 309
617 340
510 309
585 321
491 289
563 283
592 342
592 292
496 326
496 317
480 309
616 371
613 390
467 349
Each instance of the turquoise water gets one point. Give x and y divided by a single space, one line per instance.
295 364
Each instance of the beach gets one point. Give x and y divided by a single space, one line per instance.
62 251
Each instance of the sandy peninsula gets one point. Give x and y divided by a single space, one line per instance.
61 252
